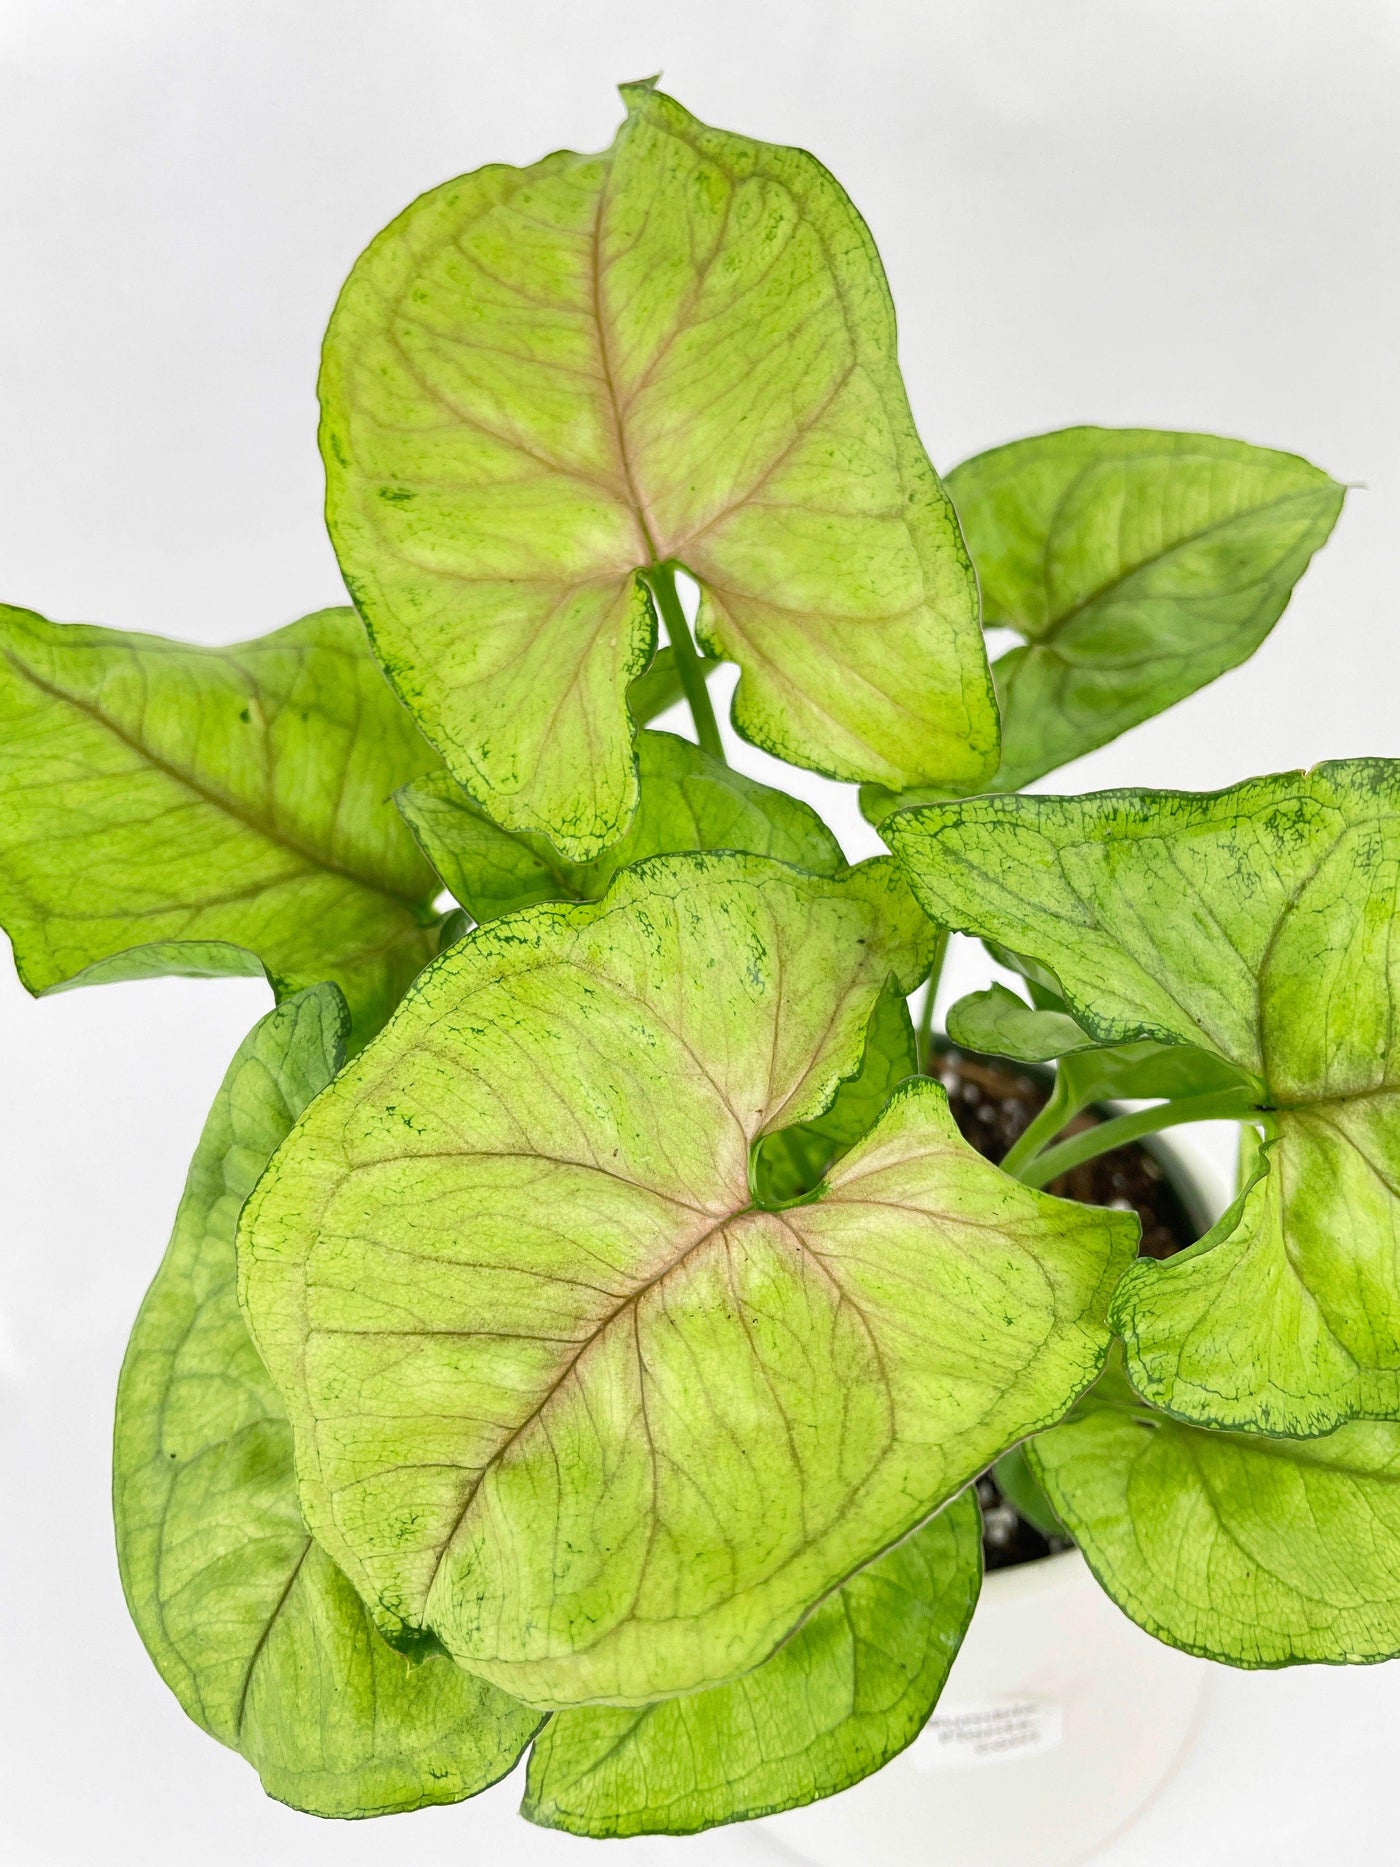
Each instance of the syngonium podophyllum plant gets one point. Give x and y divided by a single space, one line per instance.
584 1321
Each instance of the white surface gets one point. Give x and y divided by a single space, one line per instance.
1090 1715
1179 212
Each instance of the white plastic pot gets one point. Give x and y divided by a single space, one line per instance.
1059 1722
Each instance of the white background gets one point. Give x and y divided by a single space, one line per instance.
1180 214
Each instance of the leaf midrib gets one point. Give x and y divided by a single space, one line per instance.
266 1635
626 1305
1056 624
605 363
635 502
312 857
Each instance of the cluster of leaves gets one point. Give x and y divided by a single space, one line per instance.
1237 1492
583 1322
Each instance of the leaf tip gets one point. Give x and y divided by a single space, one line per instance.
636 91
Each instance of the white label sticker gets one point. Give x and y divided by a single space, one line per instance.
996 1730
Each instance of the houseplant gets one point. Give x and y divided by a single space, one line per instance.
681 1443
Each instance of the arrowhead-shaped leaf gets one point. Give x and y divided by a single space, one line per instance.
996 1022
539 383
166 808
250 1623
1256 924
1138 566
853 1686
563 1393
1253 1550
688 801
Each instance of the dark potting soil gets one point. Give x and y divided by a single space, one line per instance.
993 1103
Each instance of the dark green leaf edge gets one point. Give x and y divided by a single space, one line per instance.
963 1517
1113 1394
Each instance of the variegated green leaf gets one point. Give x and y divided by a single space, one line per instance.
1256 924
563 1392
996 1022
250 1623
688 801
1253 1550
172 809
853 1686
542 385
1137 565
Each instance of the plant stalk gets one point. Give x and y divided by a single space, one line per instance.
923 1033
662 578
1019 1160
1224 1105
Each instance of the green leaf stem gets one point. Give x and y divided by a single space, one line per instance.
660 686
